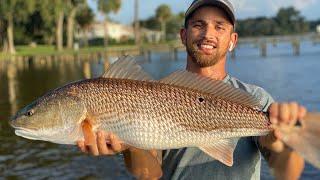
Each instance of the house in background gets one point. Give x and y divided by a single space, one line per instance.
117 32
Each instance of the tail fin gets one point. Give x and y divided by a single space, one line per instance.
306 139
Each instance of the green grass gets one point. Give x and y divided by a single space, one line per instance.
46 50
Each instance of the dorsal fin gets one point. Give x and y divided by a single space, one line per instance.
126 68
213 87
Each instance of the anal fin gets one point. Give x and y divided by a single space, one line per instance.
222 150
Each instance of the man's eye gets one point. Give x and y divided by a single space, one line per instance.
220 28
197 25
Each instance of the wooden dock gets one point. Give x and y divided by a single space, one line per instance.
260 43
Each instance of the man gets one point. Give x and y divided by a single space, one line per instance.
208 35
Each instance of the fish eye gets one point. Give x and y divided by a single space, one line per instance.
30 112
201 99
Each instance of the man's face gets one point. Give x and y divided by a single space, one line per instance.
207 36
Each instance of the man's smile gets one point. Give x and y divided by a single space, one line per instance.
206 48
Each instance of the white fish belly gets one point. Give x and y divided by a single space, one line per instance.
163 134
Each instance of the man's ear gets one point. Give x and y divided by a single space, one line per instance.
233 41
183 36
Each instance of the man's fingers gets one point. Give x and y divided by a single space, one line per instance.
273 113
102 145
284 113
302 112
93 148
115 143
82 146
294 110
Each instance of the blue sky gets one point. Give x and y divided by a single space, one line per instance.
244 8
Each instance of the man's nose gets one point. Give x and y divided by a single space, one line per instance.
210 32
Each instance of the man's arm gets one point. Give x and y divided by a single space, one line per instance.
286 163
141 163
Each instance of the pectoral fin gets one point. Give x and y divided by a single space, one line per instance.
222 150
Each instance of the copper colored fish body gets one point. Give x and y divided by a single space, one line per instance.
156 115
182 110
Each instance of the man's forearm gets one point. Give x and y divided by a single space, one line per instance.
287 165
143 164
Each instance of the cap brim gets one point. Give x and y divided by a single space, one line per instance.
219 4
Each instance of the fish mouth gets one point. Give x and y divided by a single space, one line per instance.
26 133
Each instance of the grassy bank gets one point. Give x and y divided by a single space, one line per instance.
46 50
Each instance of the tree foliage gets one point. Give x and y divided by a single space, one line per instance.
108 6
84 18
14 11
287 21
72 8
163 14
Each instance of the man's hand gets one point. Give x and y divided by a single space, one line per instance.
281 114
105 144
142 164
286 164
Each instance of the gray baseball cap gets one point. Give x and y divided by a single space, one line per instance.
223 4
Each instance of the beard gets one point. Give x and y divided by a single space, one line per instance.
201 59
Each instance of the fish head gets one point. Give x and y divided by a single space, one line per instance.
54 117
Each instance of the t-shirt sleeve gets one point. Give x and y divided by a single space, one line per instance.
264 97
265 101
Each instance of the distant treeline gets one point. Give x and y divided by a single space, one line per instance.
286 21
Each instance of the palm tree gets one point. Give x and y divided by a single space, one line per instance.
84 18
163 14
137 23
106 7
73 7
13 11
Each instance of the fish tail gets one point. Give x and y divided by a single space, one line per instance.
305 138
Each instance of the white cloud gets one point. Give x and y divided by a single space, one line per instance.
301 4
244 6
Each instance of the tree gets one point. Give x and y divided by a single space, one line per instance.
150 23
136 23
163 14
290 21
47 13
84 18
2 34
174 25
72 6
106 7
59 16
13 11
53 15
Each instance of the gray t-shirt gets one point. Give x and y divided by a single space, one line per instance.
192 163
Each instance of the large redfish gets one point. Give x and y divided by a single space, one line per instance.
181 110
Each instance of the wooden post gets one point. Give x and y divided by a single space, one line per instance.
296 47
263 48
86 69
274 42
149 53
174 53
12 86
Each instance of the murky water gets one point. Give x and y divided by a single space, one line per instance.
285 76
